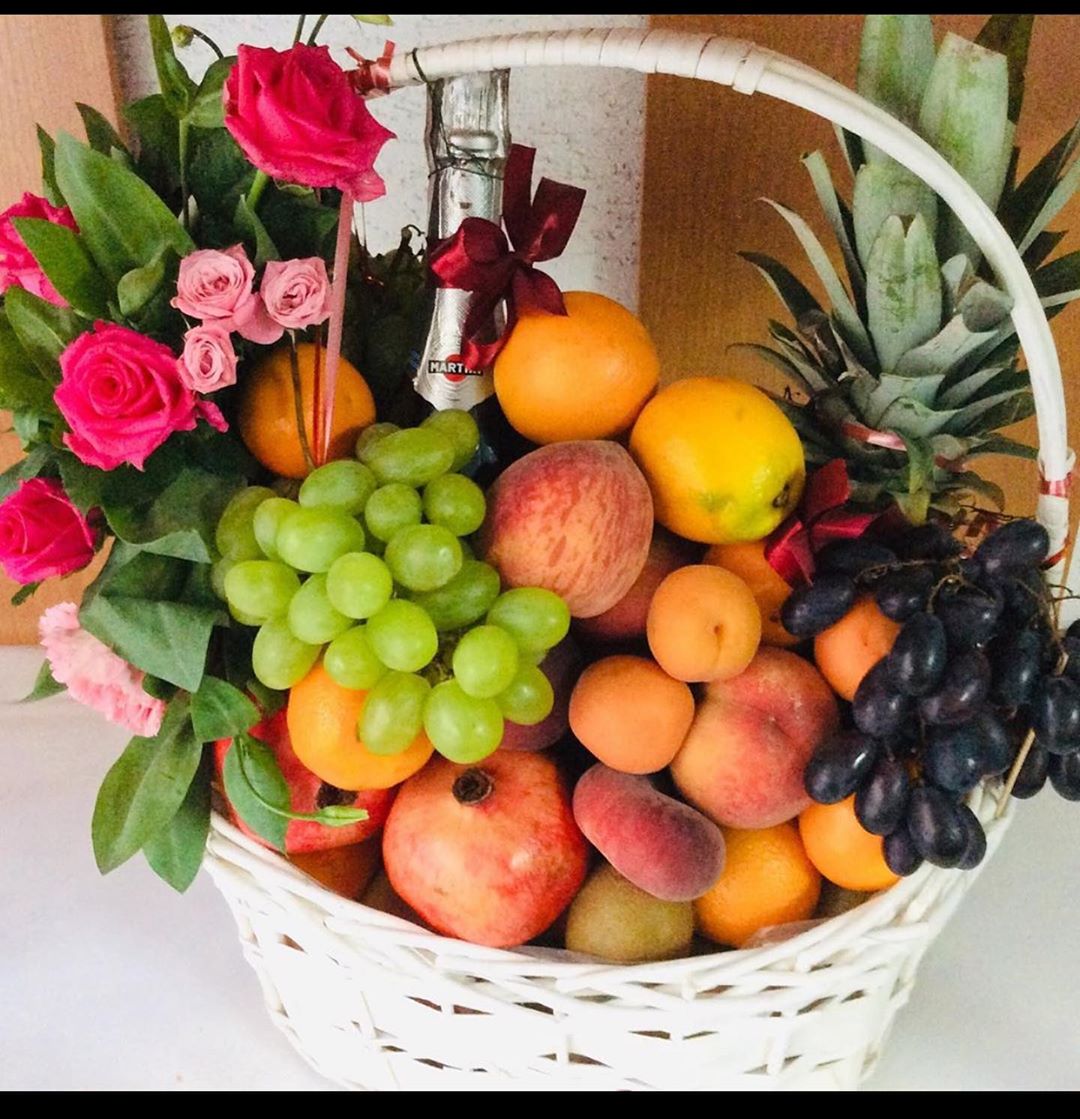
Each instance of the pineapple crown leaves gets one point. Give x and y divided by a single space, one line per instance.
917 341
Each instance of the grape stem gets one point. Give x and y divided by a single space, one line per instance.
1025 749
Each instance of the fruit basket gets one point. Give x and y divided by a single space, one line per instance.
462 625
376 1002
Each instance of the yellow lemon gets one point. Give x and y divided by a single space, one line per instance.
722 460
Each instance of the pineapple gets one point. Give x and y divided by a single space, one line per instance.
914 367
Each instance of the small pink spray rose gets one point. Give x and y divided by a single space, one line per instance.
296 293
208 362
215 285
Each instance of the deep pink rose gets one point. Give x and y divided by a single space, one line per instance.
208 362
122 397
18 268
296 117
42 534
296 293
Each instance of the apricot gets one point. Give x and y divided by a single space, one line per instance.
703 624
344 870
630 713
848 649
663 846
615 920
746 558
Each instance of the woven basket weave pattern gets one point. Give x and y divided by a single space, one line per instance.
372 1001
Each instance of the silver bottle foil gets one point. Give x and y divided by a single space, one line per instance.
468 139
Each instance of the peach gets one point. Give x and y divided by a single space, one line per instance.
626 619
630 713
848 649
704 624
661 845
746 558
575 518
742 761
561 666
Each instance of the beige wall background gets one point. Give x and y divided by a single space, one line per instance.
710 153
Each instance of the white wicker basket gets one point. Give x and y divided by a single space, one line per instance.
372 1001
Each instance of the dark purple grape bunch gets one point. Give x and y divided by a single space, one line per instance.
975 665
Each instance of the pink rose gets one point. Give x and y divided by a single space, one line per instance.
122 397
208 362
215 285
296 293
295 116
42 533
18 268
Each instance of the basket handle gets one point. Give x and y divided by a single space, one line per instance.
751 69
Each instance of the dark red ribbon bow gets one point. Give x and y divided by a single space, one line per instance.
821 517
478 257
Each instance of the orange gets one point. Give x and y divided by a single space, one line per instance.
630 713
582 375
345 870
746 558
322 718
842 849
849 648
267 413
722 461
767 880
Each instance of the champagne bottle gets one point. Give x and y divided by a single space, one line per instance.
468 140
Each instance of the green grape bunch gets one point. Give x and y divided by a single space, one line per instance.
370 568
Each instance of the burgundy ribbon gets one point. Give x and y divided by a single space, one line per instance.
371 78
821 517
480 259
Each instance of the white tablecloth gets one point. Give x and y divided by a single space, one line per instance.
119 983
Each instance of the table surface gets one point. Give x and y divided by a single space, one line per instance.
118 983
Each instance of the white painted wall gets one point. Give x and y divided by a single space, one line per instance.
588 125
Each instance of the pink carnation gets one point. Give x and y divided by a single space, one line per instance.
208 362
296 292
18 268
95 675
122 397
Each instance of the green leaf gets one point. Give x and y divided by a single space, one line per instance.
166 639
251 776
1054 204
64 259
1010 35
896 56
911 419
965 116
380 21
255 232
914 506
843 308
790 291
969 480
48 169
24 593
939 355
1001 445
892 387
83 484
177 88
959 390
22 387
159 143
137 287
1059 276
1019 209
29 467
100 134
123 223
208 108
130 573
175 853
177 520
218 174
998 410
45 685
144 789
218 710
920 468
43 329
885 189
903 290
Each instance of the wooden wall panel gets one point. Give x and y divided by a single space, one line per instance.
712 153
47 63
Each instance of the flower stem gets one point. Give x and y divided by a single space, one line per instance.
184 133
258 185
298 398
208 41
315 30
299 29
